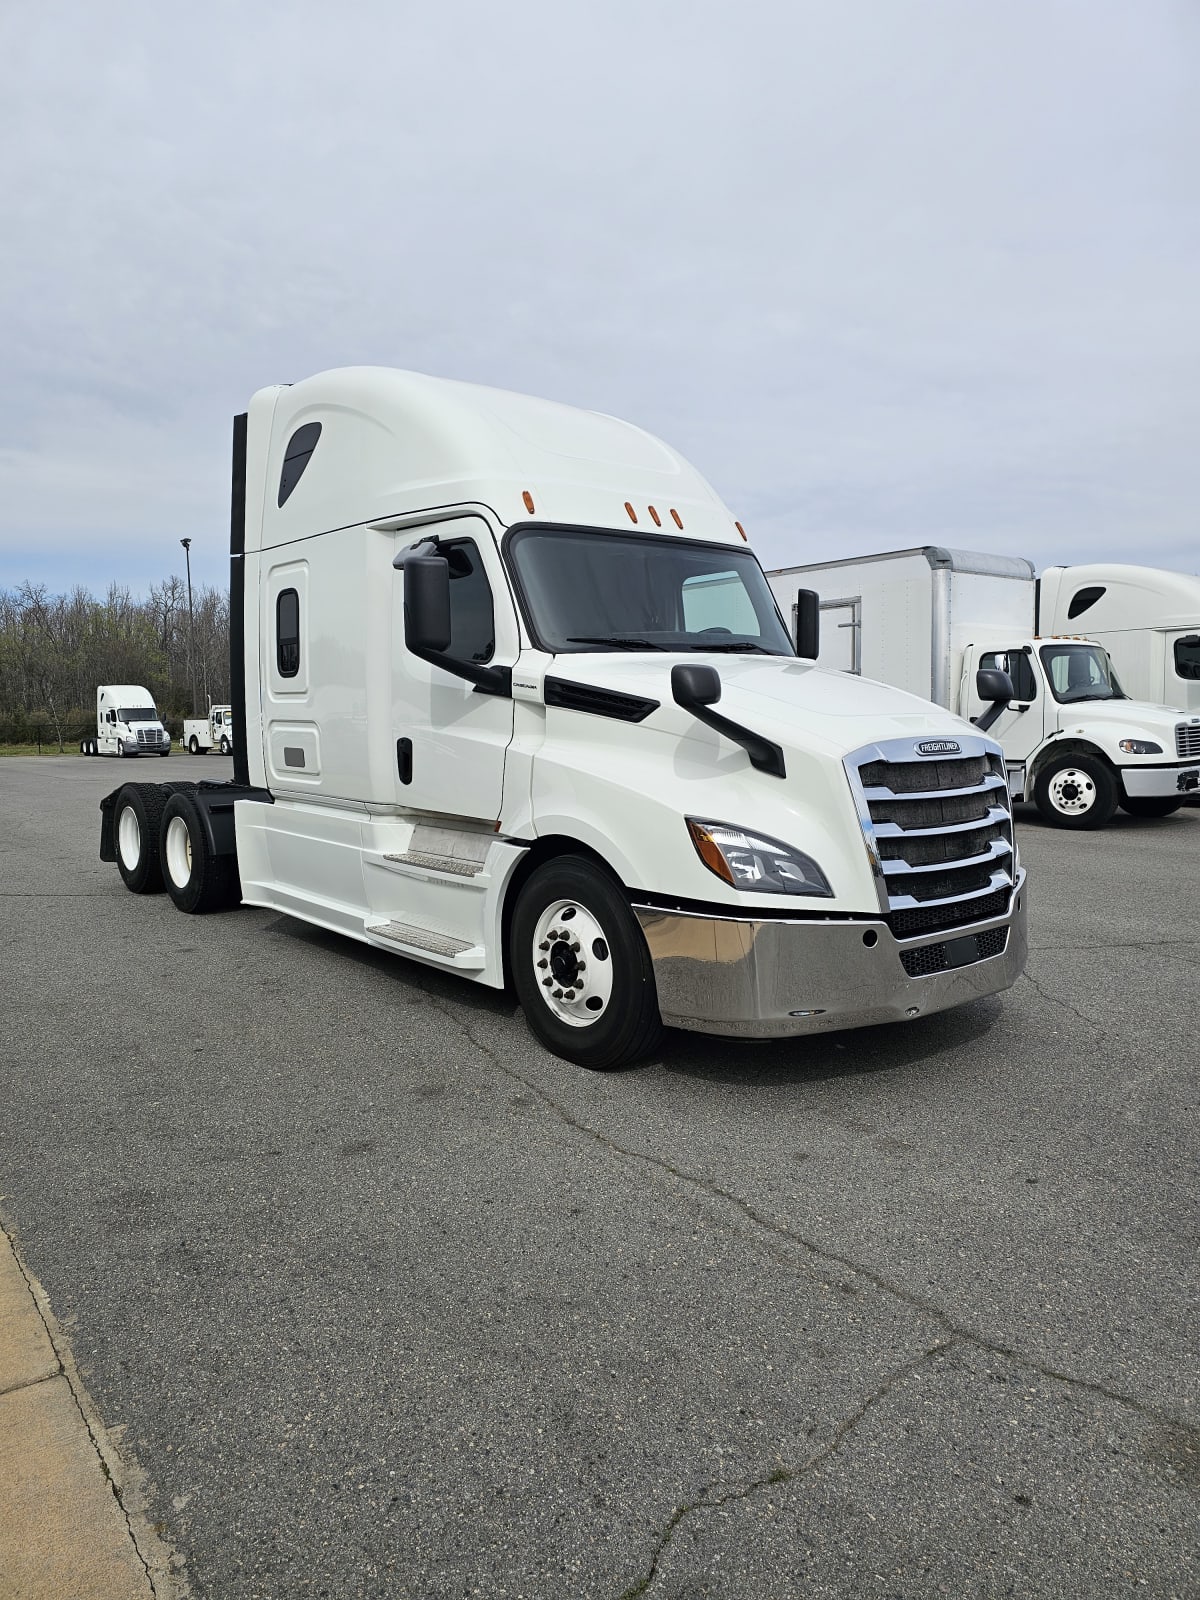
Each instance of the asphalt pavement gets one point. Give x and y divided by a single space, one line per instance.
380 1299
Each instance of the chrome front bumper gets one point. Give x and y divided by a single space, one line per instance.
772 979
1161 782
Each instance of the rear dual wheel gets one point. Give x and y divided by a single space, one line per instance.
136 823
581 968
196 878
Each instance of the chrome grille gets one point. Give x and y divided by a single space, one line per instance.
153 736
1187 740
939 832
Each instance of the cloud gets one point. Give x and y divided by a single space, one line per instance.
887 274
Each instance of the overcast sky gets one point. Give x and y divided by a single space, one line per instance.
889 273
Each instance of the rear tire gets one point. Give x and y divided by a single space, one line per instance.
194 745
1151 805
136 820
581 968
195 878
1076 792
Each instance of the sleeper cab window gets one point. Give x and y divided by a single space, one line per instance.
1083 600
287 633
296 457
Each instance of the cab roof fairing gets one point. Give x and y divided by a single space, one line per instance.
395 443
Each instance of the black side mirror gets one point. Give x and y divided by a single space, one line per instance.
996 686
808 624
694 685
426 604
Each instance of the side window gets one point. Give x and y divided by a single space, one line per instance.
1019 668
1187 657
1083 600
287 633
296 457
472 619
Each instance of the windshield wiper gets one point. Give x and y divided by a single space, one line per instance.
732 647
616 642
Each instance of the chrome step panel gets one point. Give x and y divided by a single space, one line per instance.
430 942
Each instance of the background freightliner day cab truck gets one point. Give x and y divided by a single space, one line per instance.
961 628
512 698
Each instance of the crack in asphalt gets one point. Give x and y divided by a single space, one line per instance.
67 1371
706 1500
958 1332
1120 944
1065 1004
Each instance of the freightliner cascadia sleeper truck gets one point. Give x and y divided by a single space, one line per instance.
512 698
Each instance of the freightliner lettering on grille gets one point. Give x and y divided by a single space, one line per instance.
939 830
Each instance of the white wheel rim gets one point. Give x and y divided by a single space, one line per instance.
129 838
179 852
1072 791
572 963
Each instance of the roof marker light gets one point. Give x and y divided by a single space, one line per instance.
741 530
655 518
631 511
528 499
678 520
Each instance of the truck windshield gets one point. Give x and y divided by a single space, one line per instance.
138 714
1080 672
617 591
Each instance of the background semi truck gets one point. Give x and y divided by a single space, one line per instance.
960 628
214 732
127 724
1147 619
512 698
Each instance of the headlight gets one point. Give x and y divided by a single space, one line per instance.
748 860
1140 747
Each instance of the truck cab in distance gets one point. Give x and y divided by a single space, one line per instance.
127 724
512 698
214 732
960 627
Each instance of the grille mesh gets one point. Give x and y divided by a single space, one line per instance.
1187 740
916 777
929 919
931 958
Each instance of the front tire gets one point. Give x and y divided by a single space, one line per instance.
225 745
196 879
1076 792
581 968
1151 805
136 824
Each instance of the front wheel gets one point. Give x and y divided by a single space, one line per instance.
138 813
581 968
225 745
1076 792
1151 805
196 878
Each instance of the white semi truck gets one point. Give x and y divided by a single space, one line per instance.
214 732
512 698
960 628
127 724
1147 619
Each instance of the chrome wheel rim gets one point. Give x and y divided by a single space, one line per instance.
572 963
1072 792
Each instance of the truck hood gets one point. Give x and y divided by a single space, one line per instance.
1118 716
794 703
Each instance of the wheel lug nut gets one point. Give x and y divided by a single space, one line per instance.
545 945
543 962
570 995
558 994
574 944
546 982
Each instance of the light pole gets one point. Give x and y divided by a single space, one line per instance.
187 550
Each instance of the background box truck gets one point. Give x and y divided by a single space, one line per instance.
512 698
960 628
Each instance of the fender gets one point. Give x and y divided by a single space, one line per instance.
1067 747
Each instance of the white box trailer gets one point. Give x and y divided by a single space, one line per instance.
931 621
1148 619
512 698
214 732
127 724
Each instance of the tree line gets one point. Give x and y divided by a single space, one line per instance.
56 648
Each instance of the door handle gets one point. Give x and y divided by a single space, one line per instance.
404 759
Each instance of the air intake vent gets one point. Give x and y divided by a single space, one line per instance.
598 702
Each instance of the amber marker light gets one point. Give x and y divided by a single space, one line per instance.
708 852
528 499
631 511
655 518
676 518
741 530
